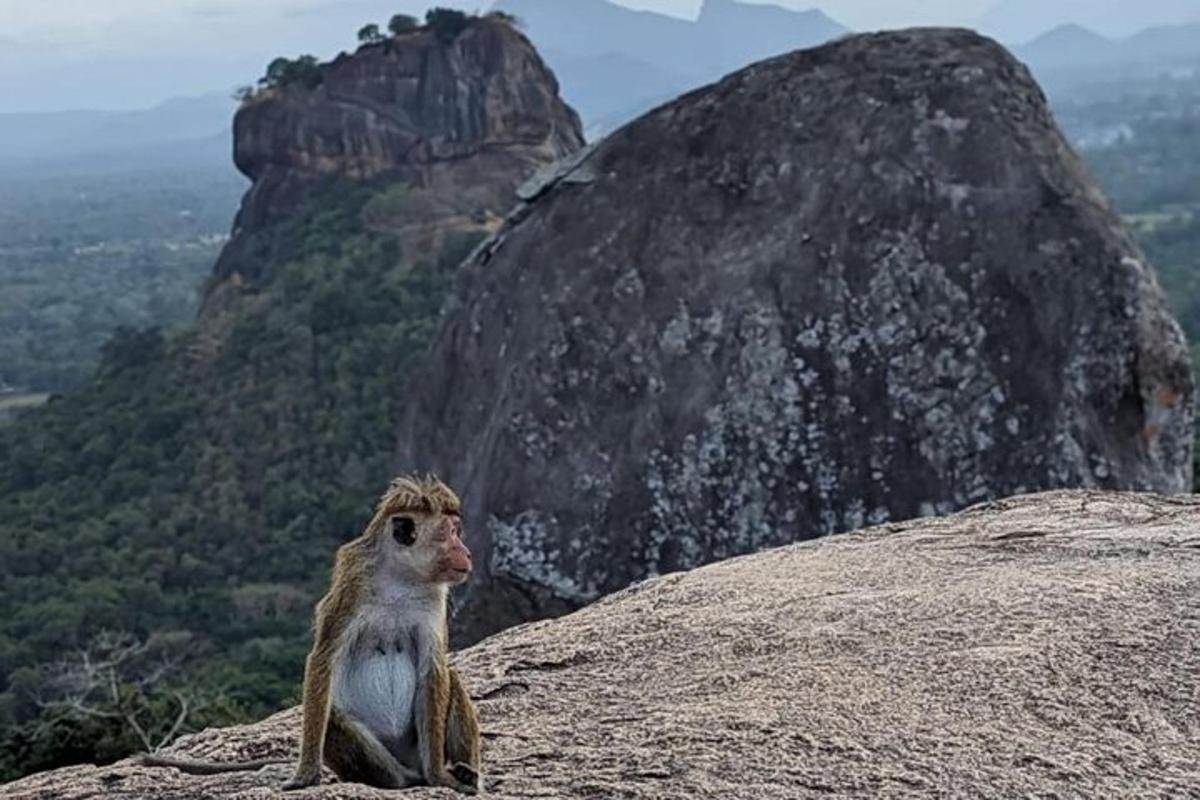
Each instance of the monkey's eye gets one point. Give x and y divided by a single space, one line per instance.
404 530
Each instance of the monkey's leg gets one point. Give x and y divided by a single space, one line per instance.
355 755
462 736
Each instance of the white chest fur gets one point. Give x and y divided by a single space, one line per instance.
376 679
379 690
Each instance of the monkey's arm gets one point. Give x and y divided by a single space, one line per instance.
318 674
433 707
194 767
462 735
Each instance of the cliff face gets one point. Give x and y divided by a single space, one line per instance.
1038 646
857 283
460 123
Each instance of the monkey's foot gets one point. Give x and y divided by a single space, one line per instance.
302 780
465 779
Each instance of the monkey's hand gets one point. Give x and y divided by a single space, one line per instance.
465 779
303 779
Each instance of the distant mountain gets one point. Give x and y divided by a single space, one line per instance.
598 86
1165 41
738 34
1068 45
74 134
1017 21
615 62
1069 54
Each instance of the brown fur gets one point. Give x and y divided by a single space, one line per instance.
447 723
442 703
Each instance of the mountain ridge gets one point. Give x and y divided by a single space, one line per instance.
1018 21
580 41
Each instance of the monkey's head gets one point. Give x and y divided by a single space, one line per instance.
419 524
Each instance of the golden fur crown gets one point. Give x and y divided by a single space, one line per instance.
410 493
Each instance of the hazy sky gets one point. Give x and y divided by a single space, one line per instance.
133 27
123 22
857 14
57 54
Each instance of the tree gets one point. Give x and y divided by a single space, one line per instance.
504 16
277 72
304 71
446 23
402 23
118 678
369 34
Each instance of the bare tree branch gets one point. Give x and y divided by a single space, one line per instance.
113 678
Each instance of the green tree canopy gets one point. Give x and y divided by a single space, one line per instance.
403 23
446 23
304 71
369 34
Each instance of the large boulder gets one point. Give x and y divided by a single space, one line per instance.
863 282
1042 646
461 122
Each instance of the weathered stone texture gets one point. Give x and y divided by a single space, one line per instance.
862 282
1041 646
462 123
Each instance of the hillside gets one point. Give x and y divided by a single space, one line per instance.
196 486
1036 646
860 282
68 134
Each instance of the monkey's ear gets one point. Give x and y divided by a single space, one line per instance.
404 530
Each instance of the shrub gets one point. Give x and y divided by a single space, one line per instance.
504 16
402 23
369 34
446 23
304 71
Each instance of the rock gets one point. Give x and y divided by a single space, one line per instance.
863 282
464 123
1037 646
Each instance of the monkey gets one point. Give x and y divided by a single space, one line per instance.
381 705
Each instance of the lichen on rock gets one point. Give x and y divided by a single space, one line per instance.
862 282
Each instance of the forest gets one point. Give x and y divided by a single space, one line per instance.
124 466
81 255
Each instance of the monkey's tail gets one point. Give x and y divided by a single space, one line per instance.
208 767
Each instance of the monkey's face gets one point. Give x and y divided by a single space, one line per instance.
429 547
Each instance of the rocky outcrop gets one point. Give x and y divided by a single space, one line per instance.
863 282
1038 646
460 122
